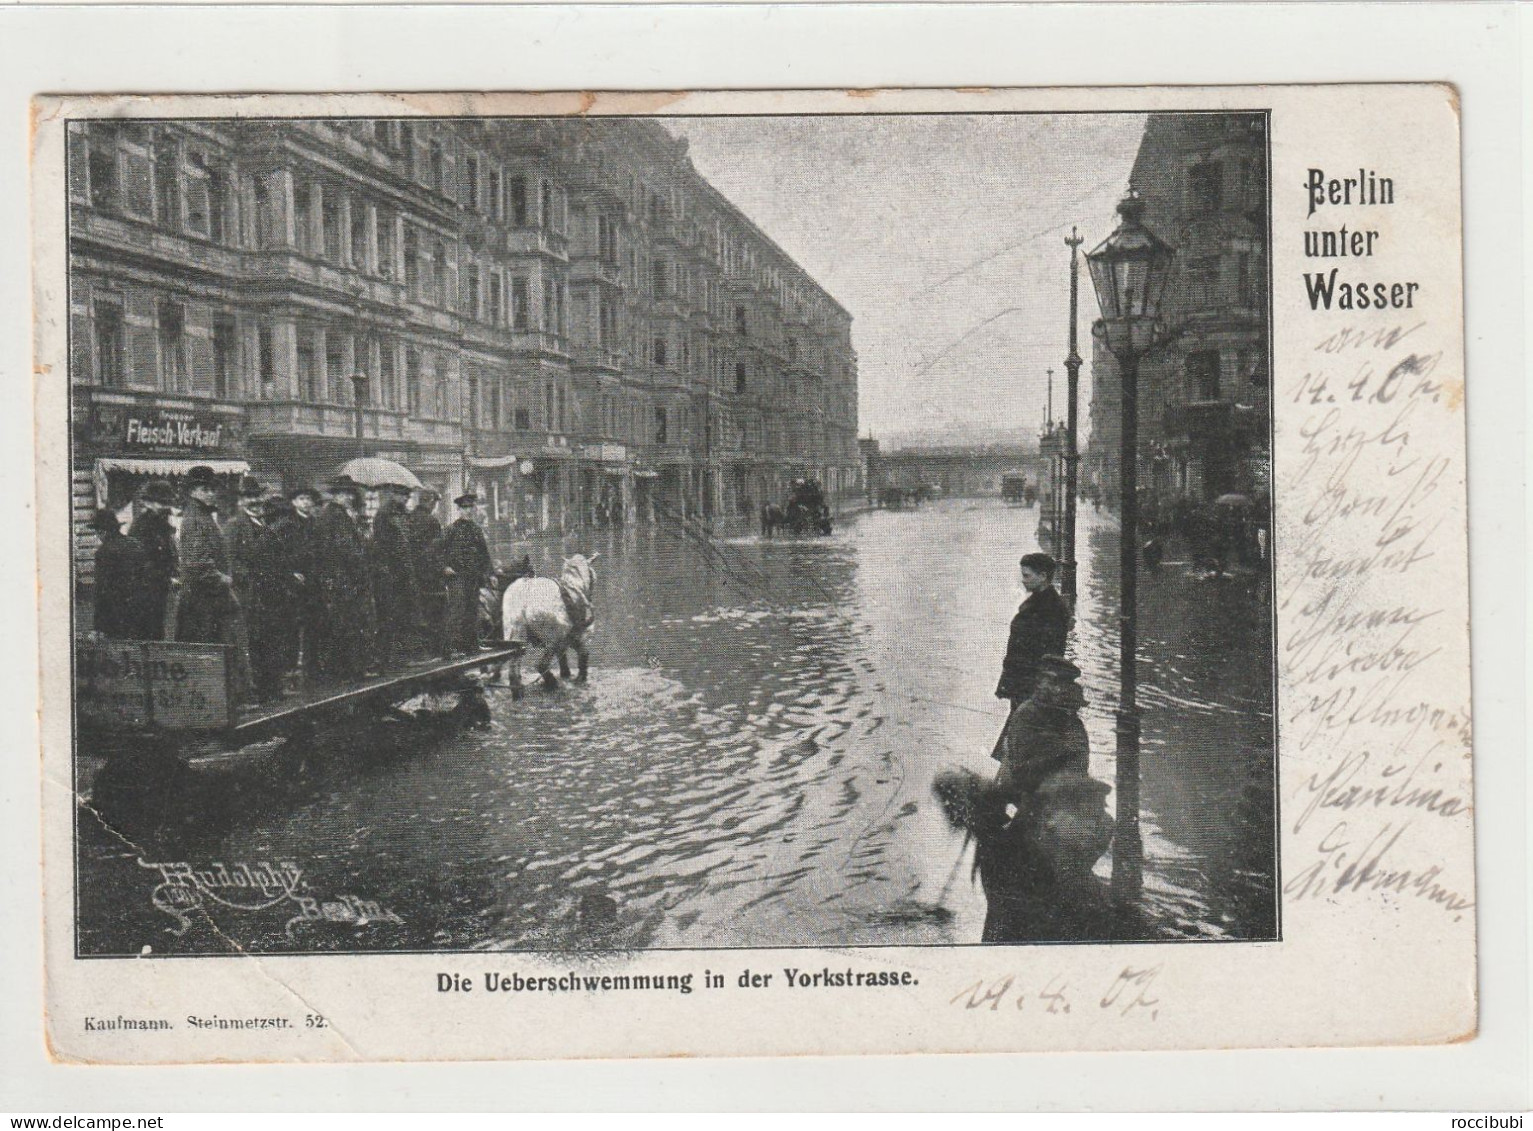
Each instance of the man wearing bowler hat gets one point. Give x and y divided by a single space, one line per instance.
207 600
294 526
152 530
468 561
423 531
345 595
260 584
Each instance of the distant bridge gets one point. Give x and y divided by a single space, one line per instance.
957 470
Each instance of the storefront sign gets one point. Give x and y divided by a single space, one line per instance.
130 429
134 685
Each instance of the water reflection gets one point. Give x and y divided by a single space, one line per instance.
750 764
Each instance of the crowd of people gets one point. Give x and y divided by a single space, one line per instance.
309 588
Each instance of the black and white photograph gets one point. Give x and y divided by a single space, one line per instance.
645 533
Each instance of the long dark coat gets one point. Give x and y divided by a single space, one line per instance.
345 594
206 604
392 572
423 532
1038 630
467 554
299 626
151 530
258 564
121 610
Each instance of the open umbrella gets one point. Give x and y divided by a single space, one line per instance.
1233 500
370 471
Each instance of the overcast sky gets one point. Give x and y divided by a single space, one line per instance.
944 238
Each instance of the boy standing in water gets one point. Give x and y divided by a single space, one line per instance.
1038 630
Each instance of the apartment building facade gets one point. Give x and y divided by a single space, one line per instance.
563 315
1204 399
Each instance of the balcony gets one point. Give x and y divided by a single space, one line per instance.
300 418
536 241
1204 421
590 269
127 234
669 306
298 270
600 358
662 454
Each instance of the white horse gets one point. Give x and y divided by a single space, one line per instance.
554 615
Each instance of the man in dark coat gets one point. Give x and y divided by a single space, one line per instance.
152 530
345 590
294 525
120 611
392 576
1039 629
207 601
423 532
468 565
257 564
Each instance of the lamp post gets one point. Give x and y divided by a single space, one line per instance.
1072 422
359 397
1129 270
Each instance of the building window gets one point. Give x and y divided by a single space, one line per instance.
523 420
1202 375
412 263
1246 279
388 379
521 305
472 307
385 223
473 398
225 358
659 278
413 381
443 392
658 351
1205 187
660 429
439 276
330 226
266 362
359 236
138 181
548 408
303 216
172 335
564 404
337 380
498 193
438 167
167 195
545 205
1203 282
739 376
497 300
472 187
220 208
742 327
198 221
519 201
111 345
308 368
103 171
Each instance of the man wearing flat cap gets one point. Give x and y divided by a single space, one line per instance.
152 530
467 555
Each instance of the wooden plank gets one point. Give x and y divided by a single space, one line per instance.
272 720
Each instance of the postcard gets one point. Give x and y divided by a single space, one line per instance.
798 572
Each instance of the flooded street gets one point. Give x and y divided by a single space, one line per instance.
749 765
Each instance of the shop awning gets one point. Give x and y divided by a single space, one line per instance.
160 469
492 462
172 467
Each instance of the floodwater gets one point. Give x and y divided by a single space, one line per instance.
749 765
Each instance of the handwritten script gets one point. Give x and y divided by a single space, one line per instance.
1373 610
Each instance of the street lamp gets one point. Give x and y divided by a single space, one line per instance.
1072 414
1129 270
359 398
